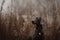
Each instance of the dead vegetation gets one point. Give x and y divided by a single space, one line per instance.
15 27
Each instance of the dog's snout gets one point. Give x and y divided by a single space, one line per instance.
33 22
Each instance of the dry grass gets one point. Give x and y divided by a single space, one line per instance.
14 27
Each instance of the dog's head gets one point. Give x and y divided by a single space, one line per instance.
37 20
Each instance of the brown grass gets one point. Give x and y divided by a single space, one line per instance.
14 27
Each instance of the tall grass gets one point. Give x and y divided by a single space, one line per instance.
14 27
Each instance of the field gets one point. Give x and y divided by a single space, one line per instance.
16 21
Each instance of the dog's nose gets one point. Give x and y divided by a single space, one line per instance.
33 22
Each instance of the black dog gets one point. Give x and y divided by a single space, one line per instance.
38 32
